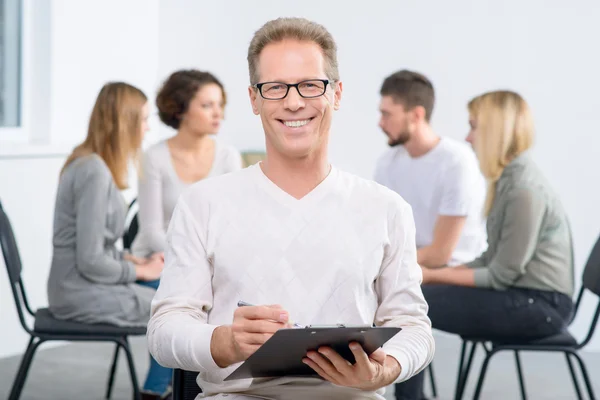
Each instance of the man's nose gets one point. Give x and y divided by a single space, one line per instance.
293 101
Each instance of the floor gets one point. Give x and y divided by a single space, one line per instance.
80 371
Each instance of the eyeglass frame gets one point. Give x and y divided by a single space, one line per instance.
326 82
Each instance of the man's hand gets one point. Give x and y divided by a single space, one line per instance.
368 373
252 326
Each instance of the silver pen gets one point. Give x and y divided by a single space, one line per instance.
244 304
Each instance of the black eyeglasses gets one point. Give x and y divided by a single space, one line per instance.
278 90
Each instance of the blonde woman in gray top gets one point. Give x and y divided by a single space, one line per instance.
192 102
520 288
90 279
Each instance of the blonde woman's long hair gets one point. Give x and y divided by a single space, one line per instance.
115 129
505 130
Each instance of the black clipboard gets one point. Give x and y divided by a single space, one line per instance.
282 354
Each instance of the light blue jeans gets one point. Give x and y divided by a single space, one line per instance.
158 378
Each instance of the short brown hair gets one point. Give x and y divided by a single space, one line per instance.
177 92
114 132
299 29
410 89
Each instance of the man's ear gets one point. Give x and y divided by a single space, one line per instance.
337 96
418 114
253 93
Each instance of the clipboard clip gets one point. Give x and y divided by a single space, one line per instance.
325 326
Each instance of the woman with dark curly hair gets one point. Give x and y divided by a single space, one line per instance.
192 102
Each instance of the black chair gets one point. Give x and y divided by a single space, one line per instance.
561 343
132 225
184 385
46 328
432 380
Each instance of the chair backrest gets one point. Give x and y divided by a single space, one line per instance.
252 157
10 251
12 261
130 232
591 272
591 282
184 385
132 225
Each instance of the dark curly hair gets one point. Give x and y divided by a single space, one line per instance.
177 92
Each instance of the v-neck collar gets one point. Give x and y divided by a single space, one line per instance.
287 199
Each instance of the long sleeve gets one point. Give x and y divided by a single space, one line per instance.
92 188
152 235
178 333
518 238
401 301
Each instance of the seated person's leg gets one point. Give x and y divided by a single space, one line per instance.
510 314
518 314
411 389
158 378
153 284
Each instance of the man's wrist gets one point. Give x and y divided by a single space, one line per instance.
393 370
222 347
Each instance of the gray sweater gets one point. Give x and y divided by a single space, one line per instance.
529 240
89 280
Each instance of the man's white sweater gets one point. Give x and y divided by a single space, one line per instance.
344 253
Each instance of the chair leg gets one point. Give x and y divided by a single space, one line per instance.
459 379
484 367
586 378
19 382
134 382
111 375
432 381
573 376
463 373
520 374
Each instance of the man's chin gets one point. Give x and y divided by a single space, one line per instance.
297 150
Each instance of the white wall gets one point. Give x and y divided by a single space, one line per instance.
94 42
78 46
542 49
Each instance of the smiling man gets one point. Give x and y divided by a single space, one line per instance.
295 235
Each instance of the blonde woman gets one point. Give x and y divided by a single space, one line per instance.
520 288
90 280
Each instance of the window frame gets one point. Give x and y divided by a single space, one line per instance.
20 134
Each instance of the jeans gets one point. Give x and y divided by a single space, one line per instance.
158 378
153 284
512 314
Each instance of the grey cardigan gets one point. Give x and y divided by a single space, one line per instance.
89 280
529 240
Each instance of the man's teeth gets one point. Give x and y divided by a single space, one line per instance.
296 124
